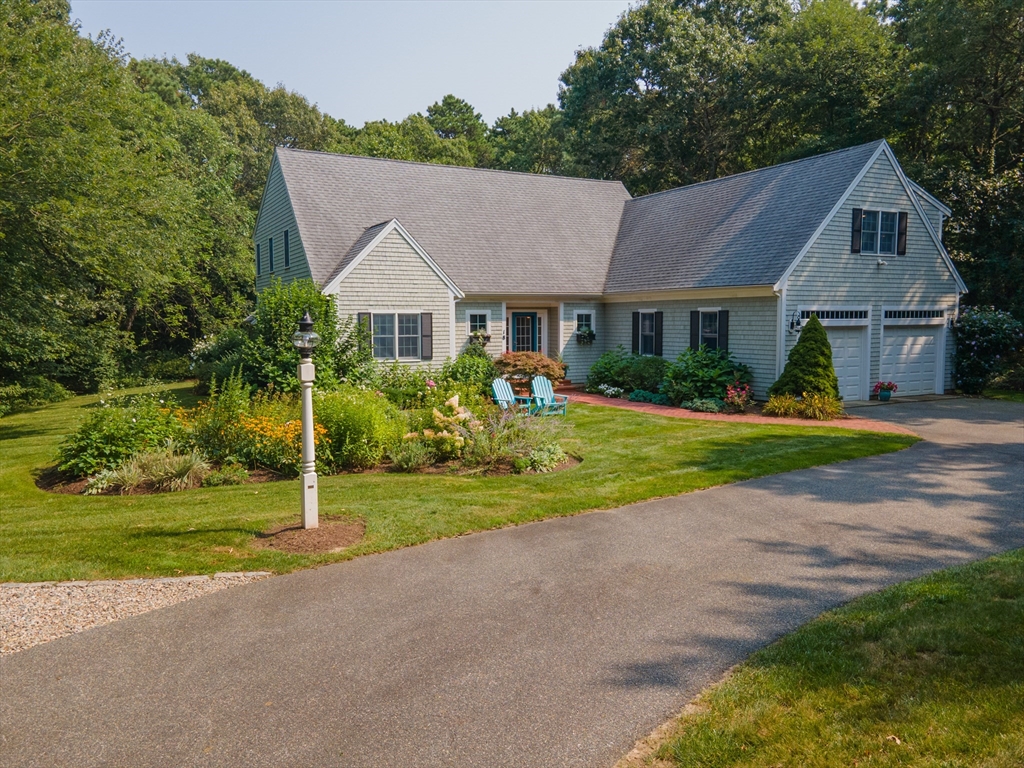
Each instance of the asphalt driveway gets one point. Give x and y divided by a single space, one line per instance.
552 644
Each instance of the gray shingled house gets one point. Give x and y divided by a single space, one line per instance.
428 254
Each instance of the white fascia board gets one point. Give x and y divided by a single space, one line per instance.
831 215
394 226
940 206
920 212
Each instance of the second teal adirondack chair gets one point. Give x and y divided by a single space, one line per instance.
506 399
545 401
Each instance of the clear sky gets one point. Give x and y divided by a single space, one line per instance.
364 61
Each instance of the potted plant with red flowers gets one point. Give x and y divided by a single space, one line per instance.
884 389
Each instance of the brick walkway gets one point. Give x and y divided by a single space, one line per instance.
850 422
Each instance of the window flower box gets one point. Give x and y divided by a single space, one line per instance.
585 336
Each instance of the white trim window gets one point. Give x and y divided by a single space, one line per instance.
878 232
478 321
396 335
584 320
709 328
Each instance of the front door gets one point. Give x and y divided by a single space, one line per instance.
524 331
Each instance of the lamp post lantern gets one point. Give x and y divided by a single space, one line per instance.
305 339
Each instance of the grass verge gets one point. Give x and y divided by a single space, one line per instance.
627 457
1009 395
925 673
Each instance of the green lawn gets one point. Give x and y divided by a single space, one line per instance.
627 457
926 673
1005 394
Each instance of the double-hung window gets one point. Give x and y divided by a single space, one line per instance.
409 336
396 336
878 232
384 336
647 327
709 329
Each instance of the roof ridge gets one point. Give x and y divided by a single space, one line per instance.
874 143
454 167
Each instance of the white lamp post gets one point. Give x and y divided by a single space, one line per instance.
305 339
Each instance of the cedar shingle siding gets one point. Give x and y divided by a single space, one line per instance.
511 241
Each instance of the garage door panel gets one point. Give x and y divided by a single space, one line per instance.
849 360
910 357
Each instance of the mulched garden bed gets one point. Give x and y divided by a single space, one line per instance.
53 480
332 535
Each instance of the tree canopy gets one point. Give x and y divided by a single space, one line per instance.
129 187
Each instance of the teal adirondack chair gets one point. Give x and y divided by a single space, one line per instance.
505 398
545 401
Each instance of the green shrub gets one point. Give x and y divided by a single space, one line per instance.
215 425
228 474
809 367
608 370
701 374
820 406
644 372
785 405
116 431
986 342
262 350
218 357
526 366
361 425
470 370
31 392
546 458
628 372
642 396
704 405
411 455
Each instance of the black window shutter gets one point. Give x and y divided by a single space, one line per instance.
426 336
723 330
659 326
636 333
363 328
694 329
858 217
259 264
901 236
287 251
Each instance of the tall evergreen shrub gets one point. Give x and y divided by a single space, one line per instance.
809 367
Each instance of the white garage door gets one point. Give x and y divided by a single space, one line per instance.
849 360
910 357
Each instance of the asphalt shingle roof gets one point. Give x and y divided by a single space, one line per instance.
496 232
738 230
490 231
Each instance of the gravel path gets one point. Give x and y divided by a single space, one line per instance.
36 613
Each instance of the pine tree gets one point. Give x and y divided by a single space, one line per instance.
809 367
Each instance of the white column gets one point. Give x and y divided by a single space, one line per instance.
310 506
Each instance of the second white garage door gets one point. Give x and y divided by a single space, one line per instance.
910 357
849 359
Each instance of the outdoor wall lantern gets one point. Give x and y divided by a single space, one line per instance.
305 340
